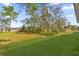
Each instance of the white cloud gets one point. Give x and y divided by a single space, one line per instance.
70 16
68 7
6 4
51 4
56 3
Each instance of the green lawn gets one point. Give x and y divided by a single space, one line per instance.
59 45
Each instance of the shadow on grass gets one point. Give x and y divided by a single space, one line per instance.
4 40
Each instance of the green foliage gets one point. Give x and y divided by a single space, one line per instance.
45 21
23 29
48 33
43 18
31 8
8 15
73 28
8 10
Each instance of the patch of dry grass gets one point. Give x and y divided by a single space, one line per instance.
15 37
10 37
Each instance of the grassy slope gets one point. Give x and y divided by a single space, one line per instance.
15 37
60 45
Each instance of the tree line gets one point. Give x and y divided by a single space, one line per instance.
43 18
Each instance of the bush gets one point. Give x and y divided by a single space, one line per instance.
48 33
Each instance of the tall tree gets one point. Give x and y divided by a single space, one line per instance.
58 18
3 22
48 16
10 13
46 26
30 10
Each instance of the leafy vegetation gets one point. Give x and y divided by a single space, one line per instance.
7 16
43 18
48 19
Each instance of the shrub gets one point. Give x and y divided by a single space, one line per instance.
48 33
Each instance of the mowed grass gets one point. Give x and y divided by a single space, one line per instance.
63 45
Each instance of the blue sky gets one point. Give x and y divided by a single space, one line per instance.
67 8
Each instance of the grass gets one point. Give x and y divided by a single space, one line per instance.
16 37
61 45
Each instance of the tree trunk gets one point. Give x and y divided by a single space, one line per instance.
9 30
